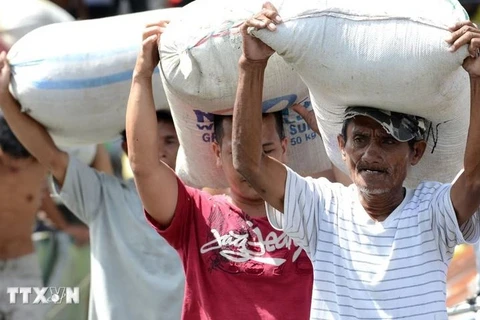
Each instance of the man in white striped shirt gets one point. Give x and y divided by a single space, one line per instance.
379 250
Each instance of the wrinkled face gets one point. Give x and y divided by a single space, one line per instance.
167 143
378 163
273 146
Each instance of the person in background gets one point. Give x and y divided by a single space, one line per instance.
65 261
23 193
135 274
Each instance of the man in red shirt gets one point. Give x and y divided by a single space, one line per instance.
237 266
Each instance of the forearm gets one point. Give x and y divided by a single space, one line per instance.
465 193
33 136
141 127
247 148
472 150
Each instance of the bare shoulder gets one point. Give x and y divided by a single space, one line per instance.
21 189
22 175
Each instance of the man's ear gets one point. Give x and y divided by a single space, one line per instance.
2 156
217 151
284 146
419 148
341 144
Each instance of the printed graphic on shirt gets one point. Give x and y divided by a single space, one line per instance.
237 245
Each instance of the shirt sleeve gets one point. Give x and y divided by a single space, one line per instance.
304 206
445 223
83 191
177 233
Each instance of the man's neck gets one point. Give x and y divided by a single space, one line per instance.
253 208
380 206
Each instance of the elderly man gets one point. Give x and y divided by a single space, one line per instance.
379 250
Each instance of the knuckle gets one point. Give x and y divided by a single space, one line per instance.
465 29
467 34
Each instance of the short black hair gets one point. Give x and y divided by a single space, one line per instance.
218 125
9 142
162 116
346 122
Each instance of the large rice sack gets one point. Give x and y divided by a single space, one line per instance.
199 55
385 54
75 77
19 17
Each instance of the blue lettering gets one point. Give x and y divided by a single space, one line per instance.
208 137
202 115
205 126
293 129
310 136
302 127
296 140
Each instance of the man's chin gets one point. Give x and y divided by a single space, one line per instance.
371 187
373 191
250 194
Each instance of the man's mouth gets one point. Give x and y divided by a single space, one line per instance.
373 170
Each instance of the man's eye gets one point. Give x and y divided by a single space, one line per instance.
268 151
171 141
389 141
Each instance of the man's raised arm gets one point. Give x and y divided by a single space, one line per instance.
33 136
156 182
265 174
465 192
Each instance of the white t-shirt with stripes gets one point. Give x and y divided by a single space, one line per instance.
363 269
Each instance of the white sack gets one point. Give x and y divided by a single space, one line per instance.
84 153
75 77
196 164
384 54
19 17
199 57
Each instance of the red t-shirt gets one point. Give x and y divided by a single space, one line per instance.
236 267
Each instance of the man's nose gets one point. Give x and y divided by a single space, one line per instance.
161 151
373 152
